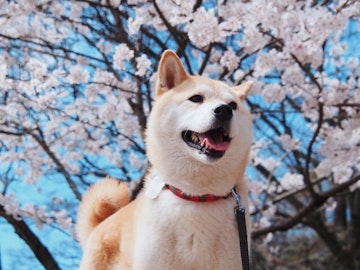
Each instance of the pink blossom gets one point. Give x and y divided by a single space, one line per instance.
122 54
290 181
142 65
78 75
230 60
203 36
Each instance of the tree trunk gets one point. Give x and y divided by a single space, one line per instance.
40 251
340 213
354 232
337 249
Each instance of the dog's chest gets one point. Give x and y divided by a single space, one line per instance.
176 234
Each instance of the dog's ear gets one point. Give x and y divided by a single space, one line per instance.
170 73
243 89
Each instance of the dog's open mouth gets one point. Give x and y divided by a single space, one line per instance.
213 143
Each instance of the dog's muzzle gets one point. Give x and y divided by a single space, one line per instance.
213 143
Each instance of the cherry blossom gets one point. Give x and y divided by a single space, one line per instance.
76 81
122 53
142 64
290 181
201 36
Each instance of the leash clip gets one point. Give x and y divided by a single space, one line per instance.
237 197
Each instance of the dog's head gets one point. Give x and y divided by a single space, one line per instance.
197 126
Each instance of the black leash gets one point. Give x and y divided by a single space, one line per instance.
240 212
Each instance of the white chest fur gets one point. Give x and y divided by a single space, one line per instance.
176 234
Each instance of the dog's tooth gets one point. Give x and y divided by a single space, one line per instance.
194 137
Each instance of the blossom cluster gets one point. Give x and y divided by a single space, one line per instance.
38 214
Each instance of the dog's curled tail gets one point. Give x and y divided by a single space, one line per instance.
102 200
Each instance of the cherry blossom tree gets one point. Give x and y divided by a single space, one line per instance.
76 80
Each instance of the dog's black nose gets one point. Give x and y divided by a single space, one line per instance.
223 113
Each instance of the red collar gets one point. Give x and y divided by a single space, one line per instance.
193 198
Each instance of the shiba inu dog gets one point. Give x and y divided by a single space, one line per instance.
198 140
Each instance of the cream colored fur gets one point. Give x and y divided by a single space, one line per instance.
158 230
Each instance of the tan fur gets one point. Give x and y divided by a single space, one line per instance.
159 230
101 201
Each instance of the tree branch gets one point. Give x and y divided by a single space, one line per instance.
40 251
316 132
175 35
307 210
58 163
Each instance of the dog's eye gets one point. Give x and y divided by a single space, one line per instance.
233 105
196 98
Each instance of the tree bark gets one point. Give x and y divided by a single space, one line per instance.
354 233
24 232
340 213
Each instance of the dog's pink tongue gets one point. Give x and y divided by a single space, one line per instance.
214 142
